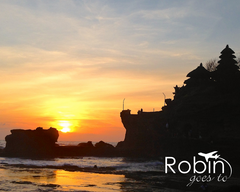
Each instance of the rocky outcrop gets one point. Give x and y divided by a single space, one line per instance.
41 143
143 131
82 149
100 149
1 151
87 145
104 149
34 143
204 114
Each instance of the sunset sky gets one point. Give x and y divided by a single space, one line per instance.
70 63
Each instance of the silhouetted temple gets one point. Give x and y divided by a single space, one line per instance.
227 72
203 114
199 76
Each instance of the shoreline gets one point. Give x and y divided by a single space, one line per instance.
130 181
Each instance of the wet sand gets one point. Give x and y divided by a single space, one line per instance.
30 179
47 179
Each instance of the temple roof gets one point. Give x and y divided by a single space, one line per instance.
227 50
199 72
227 56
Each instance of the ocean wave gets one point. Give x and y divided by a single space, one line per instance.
87 164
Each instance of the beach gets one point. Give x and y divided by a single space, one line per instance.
104 174
73 174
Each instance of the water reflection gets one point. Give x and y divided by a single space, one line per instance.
25 179
89 181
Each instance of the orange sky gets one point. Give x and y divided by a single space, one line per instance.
88 100
58 91
70 64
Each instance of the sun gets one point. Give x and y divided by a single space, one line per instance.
65 129
65 126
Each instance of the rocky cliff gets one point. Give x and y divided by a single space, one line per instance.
41 143
203 115
34 143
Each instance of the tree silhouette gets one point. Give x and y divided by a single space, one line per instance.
238 60
211 65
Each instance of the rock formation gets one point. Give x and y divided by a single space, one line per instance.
87 149
41 143
104 149
34 143
142 131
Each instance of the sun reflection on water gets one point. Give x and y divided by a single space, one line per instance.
60 180
88 181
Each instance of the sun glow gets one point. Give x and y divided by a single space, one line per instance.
65 126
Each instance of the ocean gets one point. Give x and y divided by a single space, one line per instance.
87 174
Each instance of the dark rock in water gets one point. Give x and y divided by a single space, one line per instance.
50 185
82 149
124 150
41 143
87 149
104 149
120 145
67 151
22 182
86 145
32 143
1 150
103 145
